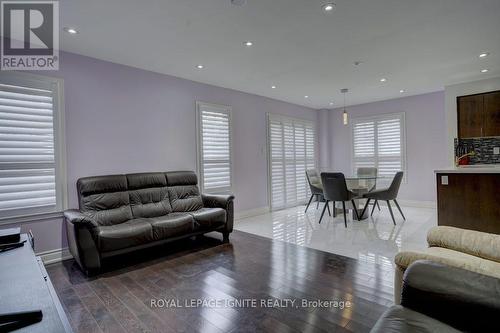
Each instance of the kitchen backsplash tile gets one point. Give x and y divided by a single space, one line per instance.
483 147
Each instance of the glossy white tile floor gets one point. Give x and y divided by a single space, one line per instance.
375 239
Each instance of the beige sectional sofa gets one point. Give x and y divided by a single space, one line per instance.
471 250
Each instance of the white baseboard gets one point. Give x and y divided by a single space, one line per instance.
418 203
412 203
53 256
251 212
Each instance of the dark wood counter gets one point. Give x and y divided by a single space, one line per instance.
469 200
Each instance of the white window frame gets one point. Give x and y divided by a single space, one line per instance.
269 117
380 117
199 145
57 84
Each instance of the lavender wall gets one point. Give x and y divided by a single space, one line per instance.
426 145
121 119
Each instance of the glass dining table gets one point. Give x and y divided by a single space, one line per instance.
361 185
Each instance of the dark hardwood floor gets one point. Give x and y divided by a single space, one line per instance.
250 267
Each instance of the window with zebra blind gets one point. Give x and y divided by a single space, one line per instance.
291 151
32 176
379 142
214 147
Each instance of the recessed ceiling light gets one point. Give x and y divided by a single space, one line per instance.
306 96
238 2
402 91
72 31
484 55
329 7
248 43
200 66
383 79
331 103
484 70
273 87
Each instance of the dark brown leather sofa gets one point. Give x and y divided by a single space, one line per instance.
123 213
444 299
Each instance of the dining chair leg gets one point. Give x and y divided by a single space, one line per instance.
345 217
366 206
399 208
317 201
334 209
378 206
310 200
355 210
374 204
323 212
390 210
328 208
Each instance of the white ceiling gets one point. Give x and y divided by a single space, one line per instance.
418 45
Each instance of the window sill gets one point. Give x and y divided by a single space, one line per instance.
30 218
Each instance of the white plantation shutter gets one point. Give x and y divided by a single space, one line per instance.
214 127
379 142
363 143
389 146
291 152
29 155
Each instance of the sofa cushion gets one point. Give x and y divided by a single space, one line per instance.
111 215
105 199
137 181
101 184
209 217
476 243
150 202
127 234
450 258
185 198
398 319
183 191
178 178
148 194
171 225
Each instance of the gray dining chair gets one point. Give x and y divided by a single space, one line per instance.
316 187
372 184
388 194
335 189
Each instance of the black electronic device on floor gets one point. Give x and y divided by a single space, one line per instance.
10 235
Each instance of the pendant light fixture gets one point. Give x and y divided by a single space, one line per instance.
345 116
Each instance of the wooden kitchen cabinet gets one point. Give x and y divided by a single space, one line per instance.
491 114
470 116
469 200
478 115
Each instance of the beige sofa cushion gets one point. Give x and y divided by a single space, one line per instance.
451 258
476 243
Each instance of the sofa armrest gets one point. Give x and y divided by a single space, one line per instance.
217 200
225 202
479 244
463 299
80 230
76 218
